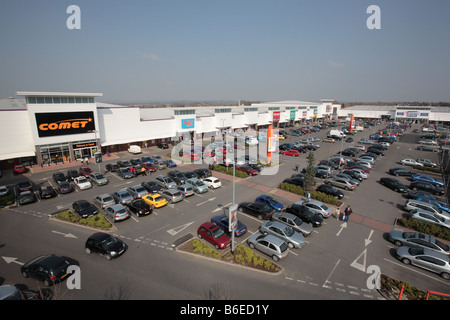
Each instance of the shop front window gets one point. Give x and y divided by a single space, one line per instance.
52 154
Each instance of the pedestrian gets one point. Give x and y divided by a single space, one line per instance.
347 212
296 167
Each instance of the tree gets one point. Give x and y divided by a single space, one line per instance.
310 173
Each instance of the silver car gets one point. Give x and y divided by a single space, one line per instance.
172 195
430 217
270 245
103 200
122 196
427 259
340 183
293 238
98 178
346 177
137 191
165 182
317 207
294 222
417 240
186 190
117 212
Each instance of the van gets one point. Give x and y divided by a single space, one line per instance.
134 149
335 134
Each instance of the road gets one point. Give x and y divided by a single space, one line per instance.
334 263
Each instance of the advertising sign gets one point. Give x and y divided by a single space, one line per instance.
188 123
276 116
232 217
64 123
292 115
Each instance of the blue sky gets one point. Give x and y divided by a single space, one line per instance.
145 51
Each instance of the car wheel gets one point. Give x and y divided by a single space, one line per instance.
445 275
291 246
240 209
398 243
275 258
260 217
108 257
406 261
47 283
88 251
199 236
217 247
25 274
251 245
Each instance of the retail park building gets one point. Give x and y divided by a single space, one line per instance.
41 128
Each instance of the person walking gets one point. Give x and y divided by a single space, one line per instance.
296 167
347 212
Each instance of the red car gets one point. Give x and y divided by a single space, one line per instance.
18 169
150 167
248 170
214 235
85 171
294 153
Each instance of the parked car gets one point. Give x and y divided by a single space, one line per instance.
19 169
151 186
124 164
270 201
49 269
256 209
173 195
105 245
117 212
139 207
112 167
122 196
203 173
84 209
165 182
103 200
295 181
25 186
26 197
412 204
156 200
291 152
417 240
137 191
270 245
427 259
13 293
426 186
393 184
223 222
330 190
427 178
248 170
212 182
125 172
410 162
401 172
98 178
427 162
316 206
82 183
306 214
293 238
177 176
198 185
186 190
214 235
441 204
341 183
65 187
47 192
85 171
376 151
72 174
59 177
429 217
294 222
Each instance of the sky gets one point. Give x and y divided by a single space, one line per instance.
142 51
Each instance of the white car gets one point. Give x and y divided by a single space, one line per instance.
410 162
365 163
366 158
212 182
82 183
429 142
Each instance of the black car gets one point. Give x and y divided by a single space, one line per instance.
125 173
377 151
26 197
112 167
306 214
191 174
84 208
295 181
203 173
47 268
163 145
380 146
427 148
124 164
177 176
285 146
72 174
414 194
348 152
257 209
105 245
330 190
151 186
393 184
426 186
25 186
353 174
139 207
65 187
401 172
59 177
47 192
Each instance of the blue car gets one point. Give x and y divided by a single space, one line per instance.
437 203
271 202
427 178
170 163
222 222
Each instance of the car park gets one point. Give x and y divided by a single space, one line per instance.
105 245
137 191
172 195
427 259
212 182
214 235
256 209
84 209
117 212
82 183
293 238
294 222
306 214
198 185
156 200
353 174
223 221
341 175
376 151
295 181
203 173
393 184
98 178
124 164
316 206
417 240
103 200
426 186
72 174
428 142
49 269
122 196
139 207
270 201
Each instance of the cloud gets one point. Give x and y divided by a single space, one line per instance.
335 64
152 57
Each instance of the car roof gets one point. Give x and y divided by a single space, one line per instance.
99 236
273 239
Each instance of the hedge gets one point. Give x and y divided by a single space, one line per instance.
425 227
317 195
229 171
96 221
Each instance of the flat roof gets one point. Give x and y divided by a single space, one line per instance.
58 94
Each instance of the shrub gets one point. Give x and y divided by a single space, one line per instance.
425 227
229 171
7 200
96 221
317 195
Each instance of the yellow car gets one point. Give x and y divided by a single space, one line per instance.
156 200
281 137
